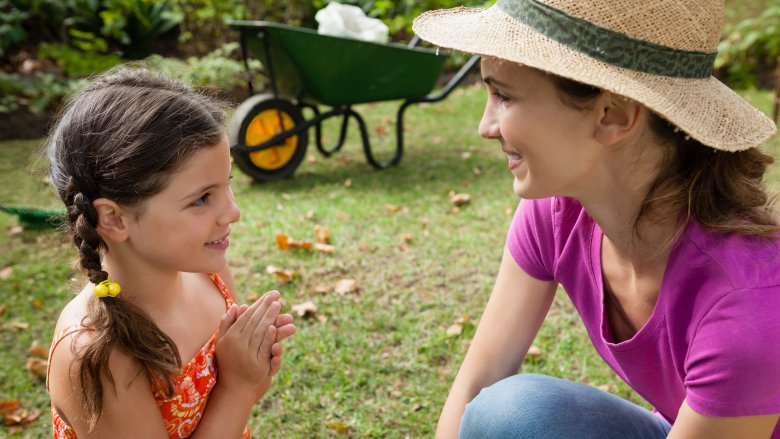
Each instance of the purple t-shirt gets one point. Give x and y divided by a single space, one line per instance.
714 335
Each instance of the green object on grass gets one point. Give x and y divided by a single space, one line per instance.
341 71
34 218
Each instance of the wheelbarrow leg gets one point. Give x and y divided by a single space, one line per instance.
367 144
318 129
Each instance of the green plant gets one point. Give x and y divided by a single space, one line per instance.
76 63
12 29
39 92
135 24
751 46
215 69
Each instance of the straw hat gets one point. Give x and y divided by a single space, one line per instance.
656 52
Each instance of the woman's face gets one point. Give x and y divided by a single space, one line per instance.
550 148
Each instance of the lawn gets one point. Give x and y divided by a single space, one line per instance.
376 362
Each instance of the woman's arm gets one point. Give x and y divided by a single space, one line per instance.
509 324
693 425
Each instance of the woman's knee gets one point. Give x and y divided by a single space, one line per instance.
521 403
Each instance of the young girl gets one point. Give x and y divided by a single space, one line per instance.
153 346
641 178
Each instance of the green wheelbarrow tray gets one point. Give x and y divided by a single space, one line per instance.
34 218
340 71
269 133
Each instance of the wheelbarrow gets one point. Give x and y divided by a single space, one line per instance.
269 133
34 218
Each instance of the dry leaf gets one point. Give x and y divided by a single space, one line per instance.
14 415
324 248
403 247
15 230
455 210
342 216
406 237
346 286
38 351
365 248
282 274
322 289
459 199
339 427
37 367
465 155
534 352
285 243
380 130
416 407
8 405
20 325
311 159
5 273
348 182
252 297
309 214
37 303
323 233
322 319
392 208
3 309
604 388
286 196
476 170
305 309
455 330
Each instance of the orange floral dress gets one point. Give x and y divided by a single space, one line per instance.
183 411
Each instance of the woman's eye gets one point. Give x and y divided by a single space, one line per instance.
500 97
202 200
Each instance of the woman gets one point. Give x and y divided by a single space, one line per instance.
641 178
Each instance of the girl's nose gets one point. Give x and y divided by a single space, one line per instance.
232 212
488 126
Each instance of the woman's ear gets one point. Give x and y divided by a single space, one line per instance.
619 119
111 224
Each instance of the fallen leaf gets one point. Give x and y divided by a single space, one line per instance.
285 243
37 303
392 208
16 230
348 182
459 199
324 248
406 237
403 246
20 417
8 405
5 273
37 367
365 248
465 183
286 196
346 286
604 388
282 274
380 130
339 427
38 351
311 159
465 155
455 329
534 352
416 407
323 233
3 309
252 297
309 214
342 216
305 309
323 289
322 319
455 210
476 170
46 180
20 325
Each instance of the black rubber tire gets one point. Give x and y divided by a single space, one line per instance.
239 124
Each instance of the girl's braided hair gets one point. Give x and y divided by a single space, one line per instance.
120 139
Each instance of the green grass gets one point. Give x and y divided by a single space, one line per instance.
382 363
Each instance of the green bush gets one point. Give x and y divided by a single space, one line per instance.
750 47
39 93
76 63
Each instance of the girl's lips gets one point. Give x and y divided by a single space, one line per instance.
219 244
515 160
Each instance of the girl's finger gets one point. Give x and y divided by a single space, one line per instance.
285 331
276 350
264 350
276 364
250 318
283 319
262 327
227 320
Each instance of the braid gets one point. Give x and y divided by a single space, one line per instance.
84 218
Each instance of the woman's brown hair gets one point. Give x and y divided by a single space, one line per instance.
120 139
722 191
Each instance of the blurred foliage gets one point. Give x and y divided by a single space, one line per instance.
39 92
76 63
751 47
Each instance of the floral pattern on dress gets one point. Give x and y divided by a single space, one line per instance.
183 411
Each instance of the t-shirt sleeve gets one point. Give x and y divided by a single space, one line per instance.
530 239
733 364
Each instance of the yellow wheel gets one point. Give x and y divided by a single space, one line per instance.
259 119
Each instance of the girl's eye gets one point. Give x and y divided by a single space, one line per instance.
202 200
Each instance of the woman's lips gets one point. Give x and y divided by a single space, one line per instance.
514 160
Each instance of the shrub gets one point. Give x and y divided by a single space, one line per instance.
751 47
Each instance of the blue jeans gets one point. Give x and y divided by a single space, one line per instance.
539 406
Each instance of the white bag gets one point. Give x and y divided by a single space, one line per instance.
350 21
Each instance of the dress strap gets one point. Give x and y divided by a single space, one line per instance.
222 289
63 334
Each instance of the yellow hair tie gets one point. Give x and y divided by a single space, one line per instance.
107 289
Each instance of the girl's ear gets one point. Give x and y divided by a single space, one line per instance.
619 119
111 225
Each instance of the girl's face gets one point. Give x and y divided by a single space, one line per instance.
186 226
549 147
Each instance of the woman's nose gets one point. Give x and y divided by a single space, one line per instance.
488 126
232 213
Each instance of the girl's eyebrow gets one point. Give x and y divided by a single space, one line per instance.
199 191
489 80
